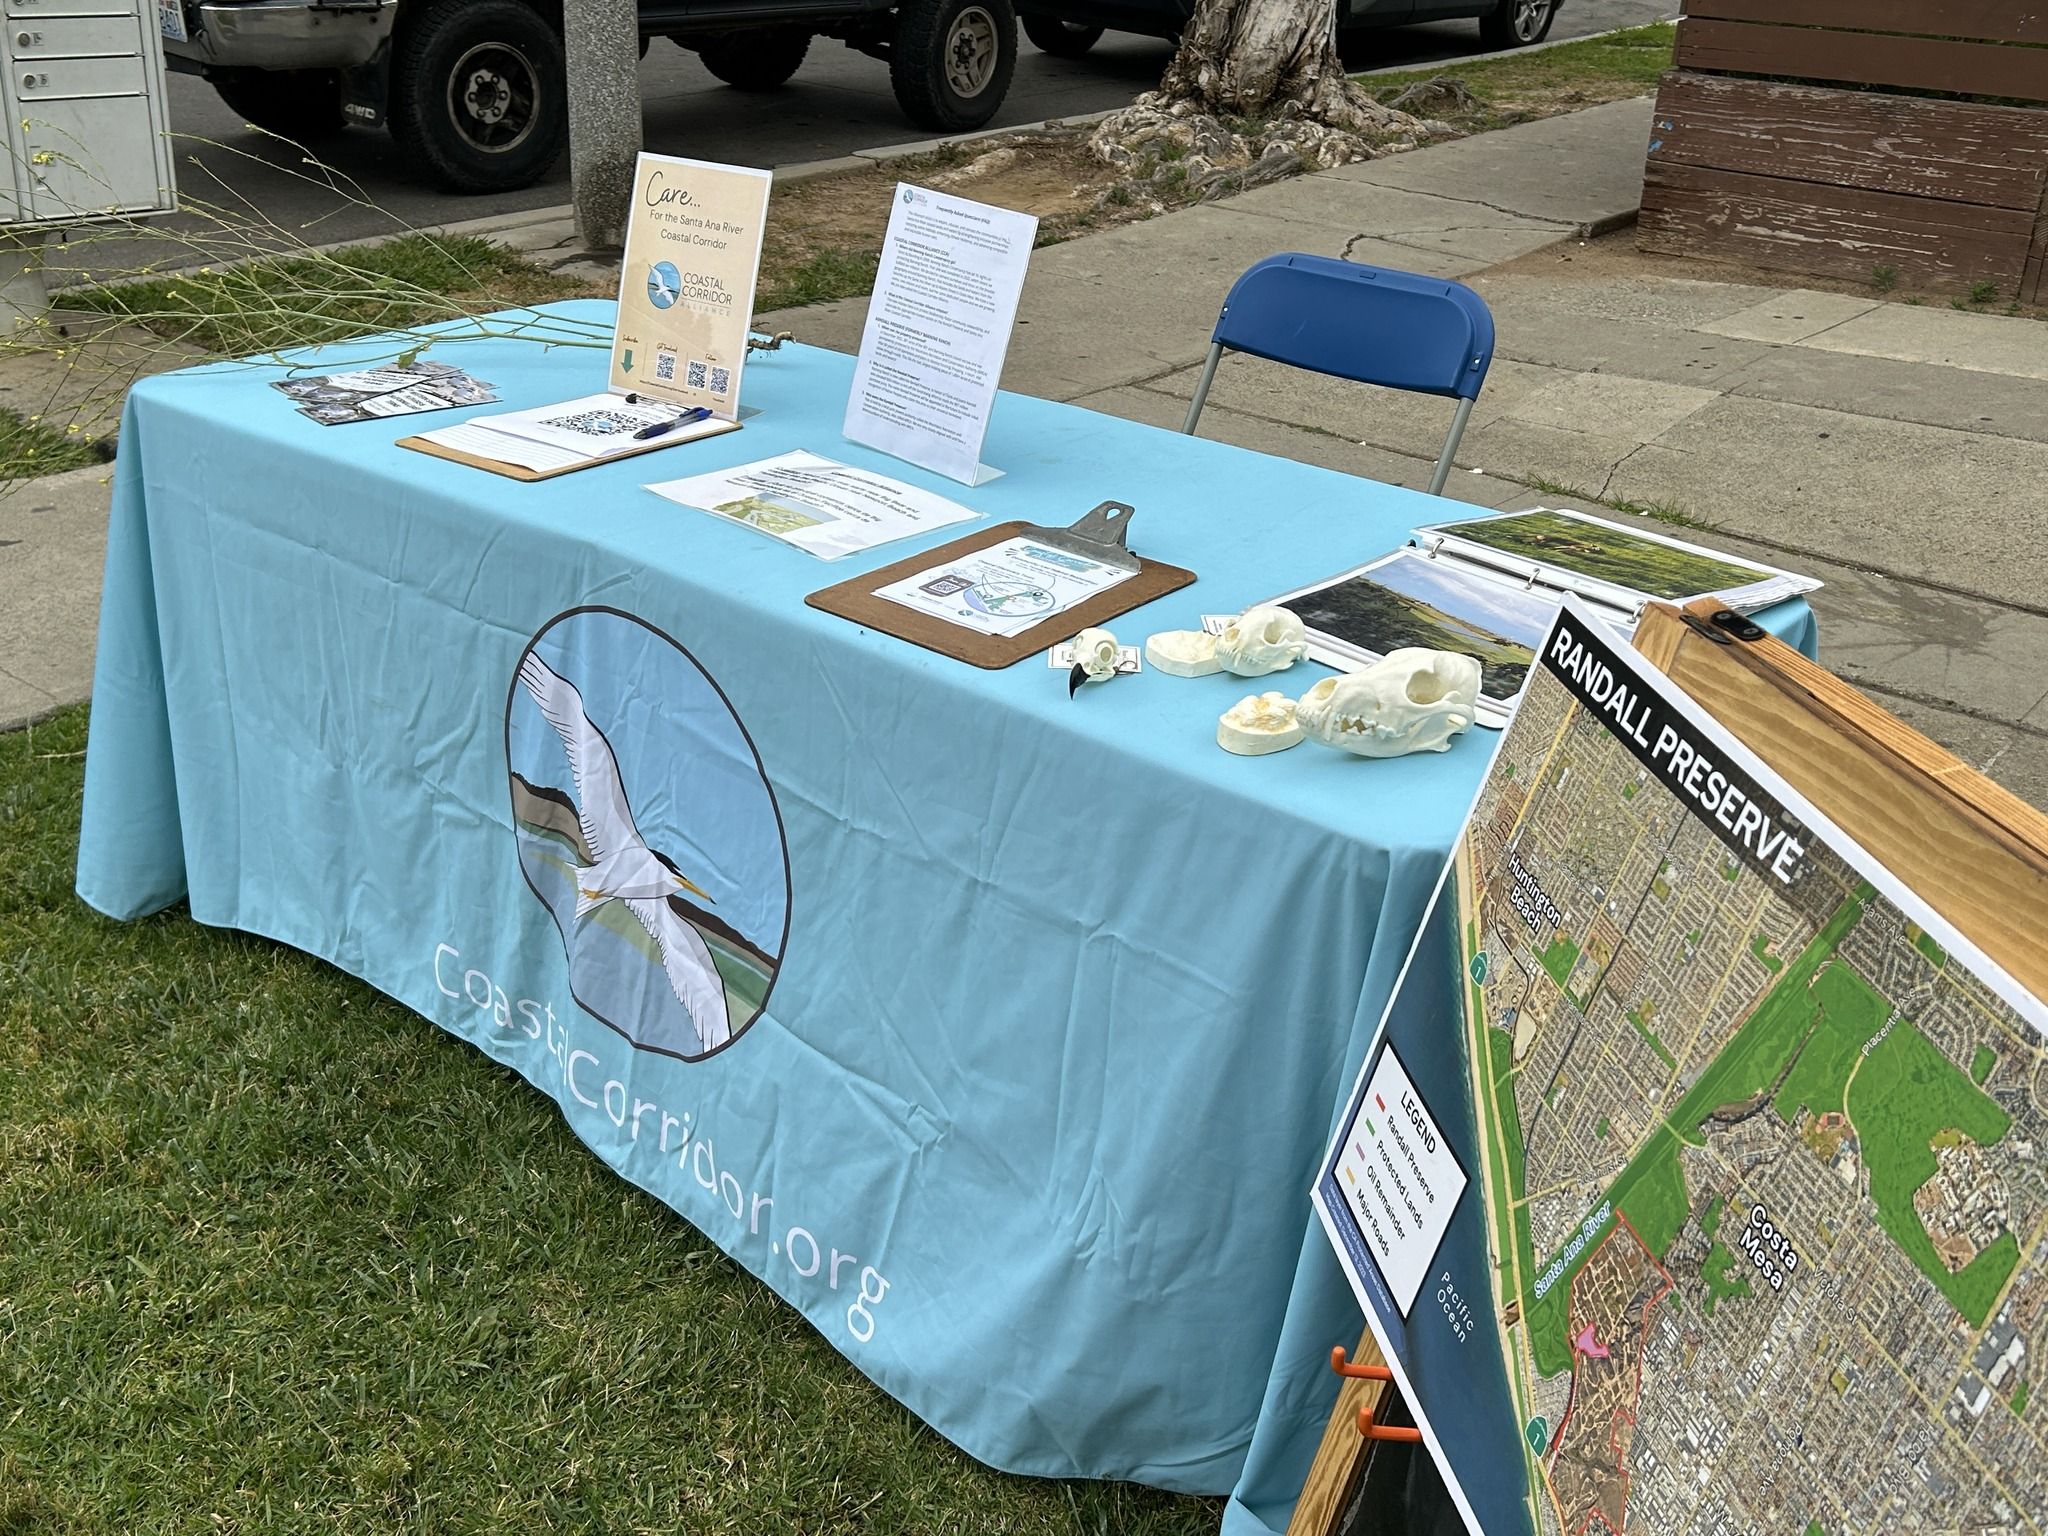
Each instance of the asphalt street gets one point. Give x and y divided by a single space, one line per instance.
839 102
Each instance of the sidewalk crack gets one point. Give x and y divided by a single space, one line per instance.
1614 469
1953 707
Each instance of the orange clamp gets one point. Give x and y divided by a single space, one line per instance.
1341 1364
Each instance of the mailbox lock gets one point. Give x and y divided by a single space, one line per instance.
27 40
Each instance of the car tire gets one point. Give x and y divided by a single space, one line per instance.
303 105
479 94
951 61
1517 23
759 60
1061 39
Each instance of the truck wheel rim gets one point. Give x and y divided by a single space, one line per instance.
971 52
493 97
1529 16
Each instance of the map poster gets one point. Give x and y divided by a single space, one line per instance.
686 289
1755 1235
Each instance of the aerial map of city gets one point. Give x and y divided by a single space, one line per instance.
1694 1181
1762 1161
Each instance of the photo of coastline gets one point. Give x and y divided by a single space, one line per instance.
1410 599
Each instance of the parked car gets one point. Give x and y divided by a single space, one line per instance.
1069 28
476 92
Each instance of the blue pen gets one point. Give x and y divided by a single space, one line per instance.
694 414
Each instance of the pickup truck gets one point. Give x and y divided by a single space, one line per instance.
476 92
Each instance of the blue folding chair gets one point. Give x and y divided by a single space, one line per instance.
1372 324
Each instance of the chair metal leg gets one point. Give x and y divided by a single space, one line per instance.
1443 463
1202 387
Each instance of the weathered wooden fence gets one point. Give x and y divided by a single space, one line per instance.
1796 176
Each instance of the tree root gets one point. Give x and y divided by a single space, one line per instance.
1176 149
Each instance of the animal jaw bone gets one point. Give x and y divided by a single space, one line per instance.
1095 653
1183 652
1264 639
1411 700
1257 724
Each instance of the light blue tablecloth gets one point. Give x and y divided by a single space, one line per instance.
1067 999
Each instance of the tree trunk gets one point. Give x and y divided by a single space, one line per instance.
1254 92
1246 58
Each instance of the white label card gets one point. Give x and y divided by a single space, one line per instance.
1400 1178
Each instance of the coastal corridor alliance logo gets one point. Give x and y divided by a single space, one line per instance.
647 828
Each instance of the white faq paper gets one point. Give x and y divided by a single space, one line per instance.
939 323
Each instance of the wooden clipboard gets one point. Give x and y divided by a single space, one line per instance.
521 472
1100 535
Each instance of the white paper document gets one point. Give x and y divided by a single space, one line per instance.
823 508
571 432
932 353
591 426
503 448
1006 588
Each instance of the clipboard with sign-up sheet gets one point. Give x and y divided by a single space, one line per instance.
976 599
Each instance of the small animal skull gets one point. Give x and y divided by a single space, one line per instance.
1095 653
1261 640
1411 700
1257 724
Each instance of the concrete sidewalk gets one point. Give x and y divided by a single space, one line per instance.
1899 453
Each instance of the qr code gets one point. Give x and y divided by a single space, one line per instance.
665 367
721 380
696 378
593 423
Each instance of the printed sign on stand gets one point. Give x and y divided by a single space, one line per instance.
938 327
686 290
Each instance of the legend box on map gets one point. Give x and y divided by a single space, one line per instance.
1400 1179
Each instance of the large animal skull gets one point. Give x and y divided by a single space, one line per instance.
1262 640
1411 700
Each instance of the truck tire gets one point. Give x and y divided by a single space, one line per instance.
951 61
479 94
758 60
303 105
1061 39
1517 23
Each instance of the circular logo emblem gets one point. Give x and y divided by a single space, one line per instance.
647 828
664 284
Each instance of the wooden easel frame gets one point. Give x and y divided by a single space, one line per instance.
1974 851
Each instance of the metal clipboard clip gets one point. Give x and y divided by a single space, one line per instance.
1098 535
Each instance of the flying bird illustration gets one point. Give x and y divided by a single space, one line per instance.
627 869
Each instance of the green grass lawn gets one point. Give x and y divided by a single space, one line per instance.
28 448
278 1255
287 301
1521 86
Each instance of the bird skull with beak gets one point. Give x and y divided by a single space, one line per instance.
1264 639
1411 700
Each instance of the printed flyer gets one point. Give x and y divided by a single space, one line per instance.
686 291
1695 1180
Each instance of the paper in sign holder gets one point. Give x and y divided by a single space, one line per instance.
938 327
686 286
